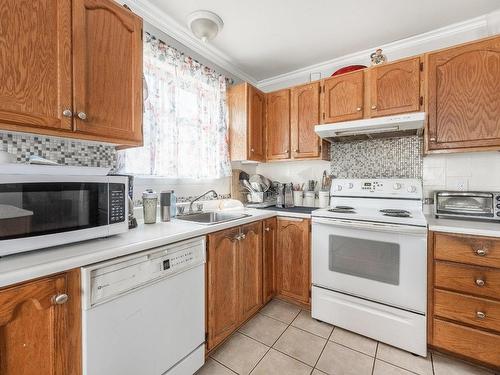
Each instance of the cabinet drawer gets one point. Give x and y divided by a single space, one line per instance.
479 312
479 345
481 251
480 281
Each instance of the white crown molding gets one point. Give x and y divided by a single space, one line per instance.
161 20
361 56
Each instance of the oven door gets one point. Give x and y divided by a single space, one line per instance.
385 263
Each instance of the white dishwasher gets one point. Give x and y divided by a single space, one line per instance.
144 314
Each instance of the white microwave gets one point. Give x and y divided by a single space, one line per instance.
39 211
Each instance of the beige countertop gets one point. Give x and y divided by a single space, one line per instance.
26 266
476 228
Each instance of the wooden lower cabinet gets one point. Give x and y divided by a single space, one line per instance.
464 298
40 330
250 262
234 280
269 259
293 260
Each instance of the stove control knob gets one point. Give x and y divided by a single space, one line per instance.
350 185
396 186
412 189
339 187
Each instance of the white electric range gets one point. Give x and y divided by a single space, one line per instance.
369 261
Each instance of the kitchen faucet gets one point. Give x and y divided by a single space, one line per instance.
201 196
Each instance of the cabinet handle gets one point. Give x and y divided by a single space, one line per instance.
374 107
82 116
433 139
243 236
480 282
67 113
60 299
359 109
296 150
252 150
267 229
480 252
480 315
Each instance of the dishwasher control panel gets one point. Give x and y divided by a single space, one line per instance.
105 281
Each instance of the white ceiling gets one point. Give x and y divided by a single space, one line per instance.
265 38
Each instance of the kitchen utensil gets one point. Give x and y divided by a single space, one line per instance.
309 198
244 176
288 195
247 185
149 206
256 186
165 203
324 198
298 197
263 181
347 69
280 195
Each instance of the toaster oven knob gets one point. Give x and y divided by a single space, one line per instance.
338 188
411 189
396 186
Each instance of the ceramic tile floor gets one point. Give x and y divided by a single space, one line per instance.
283 339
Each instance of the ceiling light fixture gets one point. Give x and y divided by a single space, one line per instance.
204 24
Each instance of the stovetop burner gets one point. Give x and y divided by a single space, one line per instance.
395 212
343 209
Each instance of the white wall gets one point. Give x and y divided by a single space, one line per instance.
464 171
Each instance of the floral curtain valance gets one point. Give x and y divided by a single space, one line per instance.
185 125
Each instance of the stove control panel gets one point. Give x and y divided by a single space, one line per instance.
400 188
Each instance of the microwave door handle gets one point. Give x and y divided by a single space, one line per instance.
383 227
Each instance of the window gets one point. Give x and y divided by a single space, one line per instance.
185 125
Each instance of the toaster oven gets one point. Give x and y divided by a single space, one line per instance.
474 205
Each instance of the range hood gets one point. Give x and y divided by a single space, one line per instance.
379 127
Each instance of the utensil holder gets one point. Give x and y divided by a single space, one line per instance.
298 197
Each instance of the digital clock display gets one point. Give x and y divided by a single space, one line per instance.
368 184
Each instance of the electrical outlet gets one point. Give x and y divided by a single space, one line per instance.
457 183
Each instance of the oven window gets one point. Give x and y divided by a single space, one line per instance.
32 209
368 259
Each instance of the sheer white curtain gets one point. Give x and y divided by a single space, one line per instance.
185 125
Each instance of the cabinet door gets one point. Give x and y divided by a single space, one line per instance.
305 114
464 96
278 125
223 285
38 335
395 88
250 261
343 97
269 259
108 85
293 259
35 68
256 123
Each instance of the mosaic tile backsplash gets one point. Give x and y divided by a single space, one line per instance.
62 151
378 158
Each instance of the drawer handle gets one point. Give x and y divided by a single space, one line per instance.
267 229
480 252
480 315
480 282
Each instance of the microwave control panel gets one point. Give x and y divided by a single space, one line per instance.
496 202
117 204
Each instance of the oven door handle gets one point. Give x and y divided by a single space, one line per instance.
381 227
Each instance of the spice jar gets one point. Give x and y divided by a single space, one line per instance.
149 206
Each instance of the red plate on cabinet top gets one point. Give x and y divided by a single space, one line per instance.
347 69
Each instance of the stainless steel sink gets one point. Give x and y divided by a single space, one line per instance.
209 218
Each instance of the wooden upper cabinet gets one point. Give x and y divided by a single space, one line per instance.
35 68
269 259
223 286
463 86
278 125
256 124
395 87
40 334
107 50
293 259
246 113
250 261
304 115
343 97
